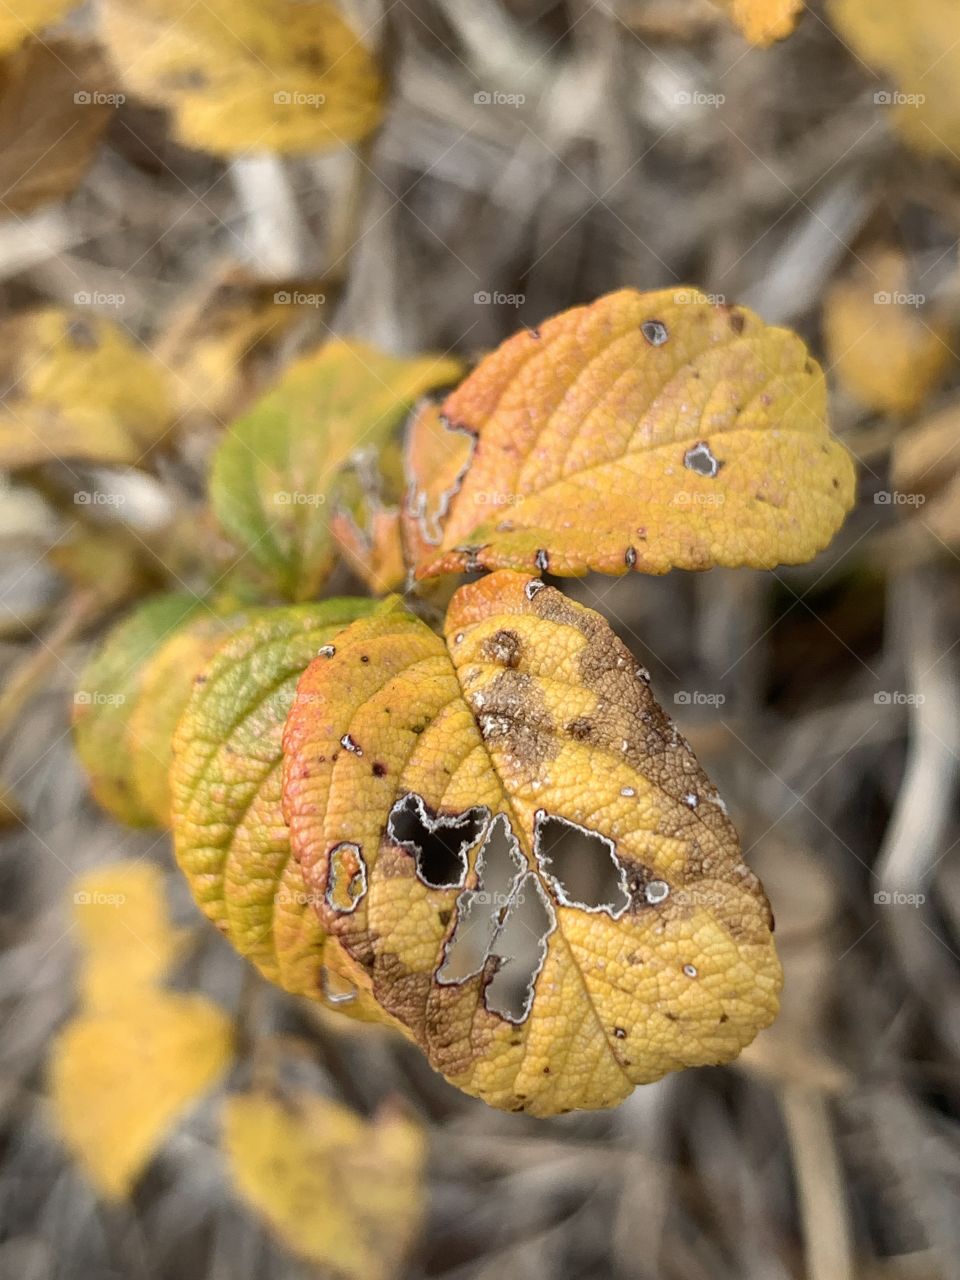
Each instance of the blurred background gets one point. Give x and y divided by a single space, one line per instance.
166 249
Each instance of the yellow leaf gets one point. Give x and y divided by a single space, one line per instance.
120 1079
342 1192
28 18
278 470
122 921
507 833
77 387
885 348
248 75
646 431
764 21
374 553
915 43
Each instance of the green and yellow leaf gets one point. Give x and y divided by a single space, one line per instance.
429 784
276 473
644 431
230 837
340 1191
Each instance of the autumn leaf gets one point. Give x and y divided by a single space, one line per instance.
886 350
763 22
106 698
230 836
645 431
340 1191
243 75
917 44
123 926
120 1079
278 468
432 787
28 18
77 387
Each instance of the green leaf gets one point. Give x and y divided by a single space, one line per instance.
275 476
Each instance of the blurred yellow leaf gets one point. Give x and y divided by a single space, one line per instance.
123 924
121 1078
646 431
764 21
340 1191
277 473
916 43
885 347
430 783
77 387
52 116
925 473
248 75
27 18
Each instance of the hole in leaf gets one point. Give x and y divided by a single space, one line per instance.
499 867
581 866
439 842
521 944
347 877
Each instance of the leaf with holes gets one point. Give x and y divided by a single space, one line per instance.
505 831
277 471
290 1156
248 75
763 22
229 833
646 431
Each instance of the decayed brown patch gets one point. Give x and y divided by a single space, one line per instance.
503 648
513 717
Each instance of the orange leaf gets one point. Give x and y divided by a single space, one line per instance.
645 431
508 835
